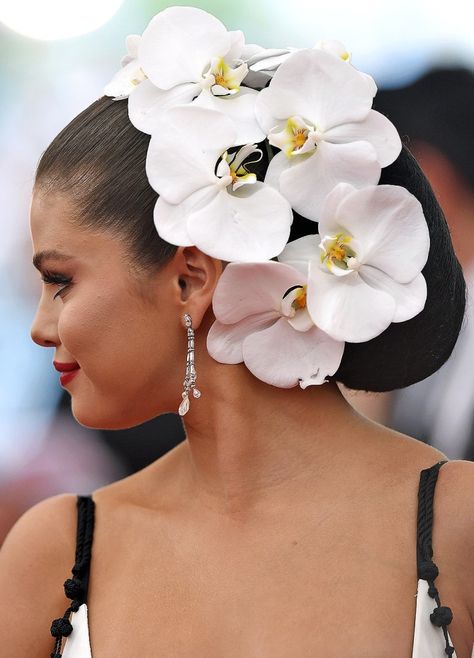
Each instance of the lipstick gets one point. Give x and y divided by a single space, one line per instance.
68 370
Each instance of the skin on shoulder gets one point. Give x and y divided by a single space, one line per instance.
35 560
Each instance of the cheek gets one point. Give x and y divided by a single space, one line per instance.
101 329
126 352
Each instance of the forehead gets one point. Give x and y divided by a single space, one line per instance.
51 215
53 230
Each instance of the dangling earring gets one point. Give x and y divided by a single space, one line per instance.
190 378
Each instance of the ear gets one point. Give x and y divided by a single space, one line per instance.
196 275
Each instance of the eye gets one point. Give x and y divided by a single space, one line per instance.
55 278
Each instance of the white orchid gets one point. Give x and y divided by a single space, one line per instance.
262 320
208 198
263 62
317 110
188 56
364 266
130 75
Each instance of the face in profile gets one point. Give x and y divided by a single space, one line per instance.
97 313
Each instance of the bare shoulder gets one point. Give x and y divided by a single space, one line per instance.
403 458
35 560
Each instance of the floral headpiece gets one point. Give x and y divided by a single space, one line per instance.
211 103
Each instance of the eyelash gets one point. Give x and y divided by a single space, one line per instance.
57 279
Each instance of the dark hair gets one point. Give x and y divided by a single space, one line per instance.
99 158
407 352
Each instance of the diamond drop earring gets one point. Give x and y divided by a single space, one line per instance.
190 378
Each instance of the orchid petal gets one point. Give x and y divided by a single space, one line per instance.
224 341
219 90
376 129
250 224
251 50
257 80
272 60
175 174
309 84
125 81
182 155
301 321
389 224
237 43
147 104
347 309
299 252
264 58
132 42
278 164
250 288
328 215
410 298
178 43
170 219
240 108
370 82
282 356
307 183
334 47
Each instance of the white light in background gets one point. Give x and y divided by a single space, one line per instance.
388 40
49 20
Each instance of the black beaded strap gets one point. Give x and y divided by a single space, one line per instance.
441 616
76 588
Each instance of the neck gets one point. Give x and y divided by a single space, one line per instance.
249 443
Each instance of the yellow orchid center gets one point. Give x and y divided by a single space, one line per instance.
233 170
293 300
336 251
220 80
224 76
300 137
299 301
297 137
237 170
297 134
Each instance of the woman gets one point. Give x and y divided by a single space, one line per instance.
286 523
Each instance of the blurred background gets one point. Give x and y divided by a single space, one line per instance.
56 57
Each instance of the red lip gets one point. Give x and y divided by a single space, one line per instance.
65 367
67 376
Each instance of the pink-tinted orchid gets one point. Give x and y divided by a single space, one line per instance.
262 320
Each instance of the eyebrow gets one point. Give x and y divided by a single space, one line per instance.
49 254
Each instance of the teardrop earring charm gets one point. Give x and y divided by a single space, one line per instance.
190 378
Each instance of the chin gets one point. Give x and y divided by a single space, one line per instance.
117 419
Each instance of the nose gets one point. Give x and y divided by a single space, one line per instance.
44 328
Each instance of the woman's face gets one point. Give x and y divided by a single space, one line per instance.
129 346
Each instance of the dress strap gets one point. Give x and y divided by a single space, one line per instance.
76 588
426 568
